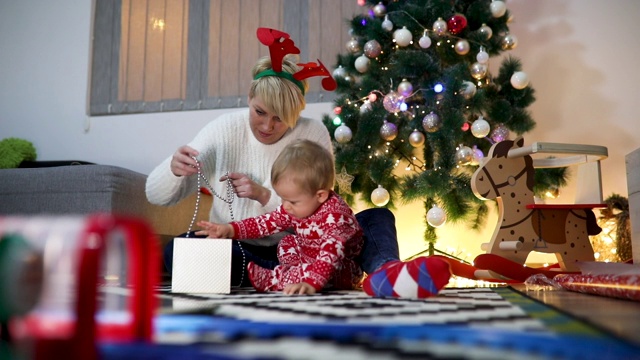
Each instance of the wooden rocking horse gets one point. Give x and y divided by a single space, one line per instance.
507 175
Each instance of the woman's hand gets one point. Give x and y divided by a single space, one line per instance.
215 231
182 162
300 288
244 187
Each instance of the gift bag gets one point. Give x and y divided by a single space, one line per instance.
201 266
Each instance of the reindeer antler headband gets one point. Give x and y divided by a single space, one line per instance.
280 45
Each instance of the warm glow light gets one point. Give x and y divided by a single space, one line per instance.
157 24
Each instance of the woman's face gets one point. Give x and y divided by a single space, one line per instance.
265 125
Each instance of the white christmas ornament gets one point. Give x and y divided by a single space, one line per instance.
387 24
436 217
498 8
380 196
362 63
482 56
402 36
519 80
480 128
425 41
342 134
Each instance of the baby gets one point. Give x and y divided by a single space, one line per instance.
322 252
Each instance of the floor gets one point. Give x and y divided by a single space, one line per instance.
618 317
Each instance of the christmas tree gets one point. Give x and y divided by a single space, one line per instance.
417 106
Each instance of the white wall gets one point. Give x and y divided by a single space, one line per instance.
581 57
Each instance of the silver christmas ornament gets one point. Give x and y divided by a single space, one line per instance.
431 122
343 134
462 47
486 31
339 73
477 156
468 89
416 138
388 131
372 49
353 46
392 102
379 10
500 133
405 88
464 155
365 107
440 27
509 42
478 71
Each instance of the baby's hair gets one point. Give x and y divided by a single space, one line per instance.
281 96
308 163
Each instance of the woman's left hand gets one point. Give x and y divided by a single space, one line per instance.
300 288
244 187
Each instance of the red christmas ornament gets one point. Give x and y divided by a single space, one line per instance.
456 23
337 110
465 126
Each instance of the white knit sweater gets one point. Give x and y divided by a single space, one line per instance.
227 144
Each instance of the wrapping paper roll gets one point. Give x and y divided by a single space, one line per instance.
618 286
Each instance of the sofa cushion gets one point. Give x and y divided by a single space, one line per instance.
86 189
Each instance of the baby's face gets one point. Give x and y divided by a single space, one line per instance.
295 201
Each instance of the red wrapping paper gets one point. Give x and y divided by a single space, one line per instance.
617 286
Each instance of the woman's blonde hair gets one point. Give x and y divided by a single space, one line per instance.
280 95
308 163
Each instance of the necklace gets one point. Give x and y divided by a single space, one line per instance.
230 196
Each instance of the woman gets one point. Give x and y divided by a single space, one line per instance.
238 150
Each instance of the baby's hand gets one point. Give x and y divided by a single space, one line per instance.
300 288
215 231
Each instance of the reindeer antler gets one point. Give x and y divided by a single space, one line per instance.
280 45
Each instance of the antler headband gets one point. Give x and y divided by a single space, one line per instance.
280 45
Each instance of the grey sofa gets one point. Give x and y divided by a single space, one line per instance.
88 188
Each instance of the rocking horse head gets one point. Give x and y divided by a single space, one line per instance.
499 175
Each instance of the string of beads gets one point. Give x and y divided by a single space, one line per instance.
230 196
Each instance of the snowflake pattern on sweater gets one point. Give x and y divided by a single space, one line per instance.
322 252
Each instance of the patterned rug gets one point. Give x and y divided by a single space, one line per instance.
464 323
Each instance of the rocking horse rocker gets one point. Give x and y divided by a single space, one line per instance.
507 176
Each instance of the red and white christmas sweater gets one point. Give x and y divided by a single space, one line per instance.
322 251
